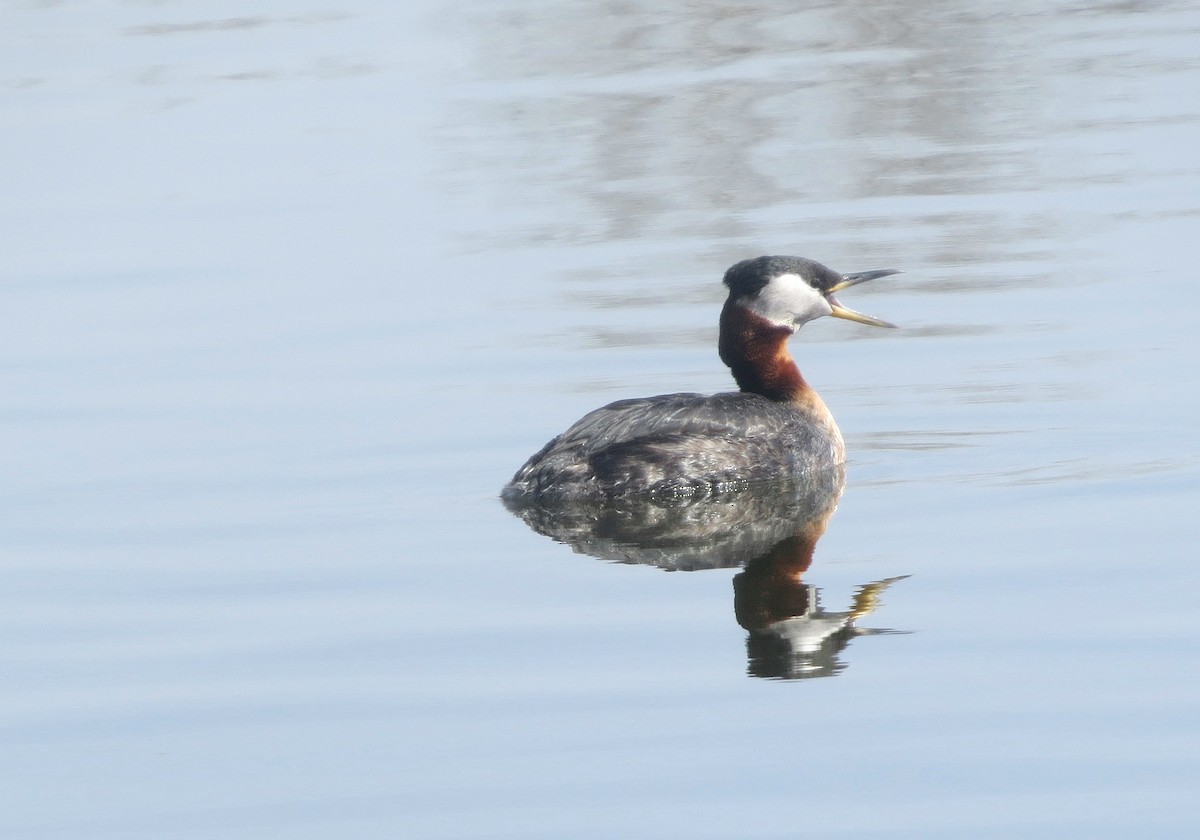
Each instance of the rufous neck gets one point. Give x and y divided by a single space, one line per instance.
756 352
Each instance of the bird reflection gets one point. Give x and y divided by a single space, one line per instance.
770 530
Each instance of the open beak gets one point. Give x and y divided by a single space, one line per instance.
849 280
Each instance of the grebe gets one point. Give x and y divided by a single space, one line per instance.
684 445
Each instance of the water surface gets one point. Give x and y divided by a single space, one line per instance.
290 293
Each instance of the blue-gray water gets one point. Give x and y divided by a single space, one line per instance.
288 293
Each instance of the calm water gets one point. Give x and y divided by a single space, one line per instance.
289 292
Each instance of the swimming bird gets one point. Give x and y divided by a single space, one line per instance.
687 445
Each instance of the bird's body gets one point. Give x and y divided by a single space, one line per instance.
680 445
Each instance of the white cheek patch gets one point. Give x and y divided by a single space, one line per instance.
789 301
